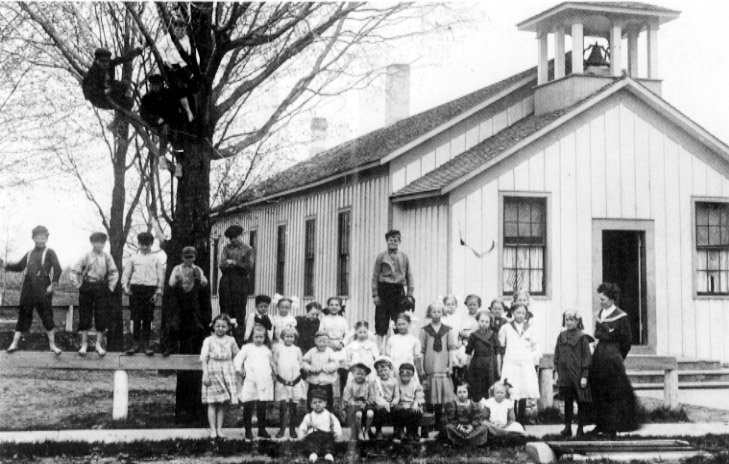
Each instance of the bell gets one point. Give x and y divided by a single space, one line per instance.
598 56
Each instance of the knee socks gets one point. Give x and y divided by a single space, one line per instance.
292 416
261 414
568 411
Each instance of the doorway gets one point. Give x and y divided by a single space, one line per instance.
623 253
623 263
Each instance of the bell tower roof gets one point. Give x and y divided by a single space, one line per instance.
597 17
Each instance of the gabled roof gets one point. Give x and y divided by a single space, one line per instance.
638 9
368 150
478 159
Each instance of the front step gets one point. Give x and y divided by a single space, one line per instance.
694 364
684 386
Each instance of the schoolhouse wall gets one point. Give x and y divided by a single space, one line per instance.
424 228
461 137
365 197
620 160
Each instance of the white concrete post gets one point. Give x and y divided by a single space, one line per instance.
546 388
542 60
670 388
120 406
559 52
69 319
633 53
578 48
652 44
616 57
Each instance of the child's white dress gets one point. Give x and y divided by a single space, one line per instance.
520 357
362 352
500 415
402 349
280 323
258 381
288 363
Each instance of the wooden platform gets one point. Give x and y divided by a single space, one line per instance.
92 362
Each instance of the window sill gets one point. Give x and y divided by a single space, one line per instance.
711 297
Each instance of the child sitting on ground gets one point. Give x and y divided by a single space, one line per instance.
359 401
254 363
319 429
408 412
498 410
387 394
42 272
219 383
320 365
463 420
95 275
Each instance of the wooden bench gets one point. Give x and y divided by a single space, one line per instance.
667 364
116 362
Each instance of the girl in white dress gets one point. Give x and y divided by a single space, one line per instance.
287 360
335 325
499 411
362 349
254 363
521 355
404 347
284 318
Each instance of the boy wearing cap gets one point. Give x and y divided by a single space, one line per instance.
42 272
320 364
95 276
359 400
143 281
387 395
408 412
161 110
391 275
319 428
100 87
187 280
236 263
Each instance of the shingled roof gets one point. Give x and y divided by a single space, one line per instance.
472 159
375 145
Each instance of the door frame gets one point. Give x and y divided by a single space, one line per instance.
648 228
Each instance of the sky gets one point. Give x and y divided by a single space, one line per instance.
692 62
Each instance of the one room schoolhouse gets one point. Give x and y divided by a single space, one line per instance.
553 180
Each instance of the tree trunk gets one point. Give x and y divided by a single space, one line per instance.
117 240
191 227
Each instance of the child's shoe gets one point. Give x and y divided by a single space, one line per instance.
313 457
292 433
566 432
329 458
82 351
281 433
134 349
262 433
580 432
249 434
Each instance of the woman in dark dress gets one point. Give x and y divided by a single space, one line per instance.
614 405
484 345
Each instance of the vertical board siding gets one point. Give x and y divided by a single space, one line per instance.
368 202
621 163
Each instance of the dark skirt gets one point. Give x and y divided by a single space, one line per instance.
481 375
613 407
476 437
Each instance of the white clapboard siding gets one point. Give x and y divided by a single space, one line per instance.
367 201
620 161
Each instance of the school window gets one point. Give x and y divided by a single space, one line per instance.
280 258
309 255
216 263
712 248
253 242
344 232
525 242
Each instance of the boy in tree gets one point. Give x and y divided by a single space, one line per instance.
42 272
101 88
161 109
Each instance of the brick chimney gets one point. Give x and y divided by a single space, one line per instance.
318 135
397 93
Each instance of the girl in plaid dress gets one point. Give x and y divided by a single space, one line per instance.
219 382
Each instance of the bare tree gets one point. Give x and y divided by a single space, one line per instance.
248 51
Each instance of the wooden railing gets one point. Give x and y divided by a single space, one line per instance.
667 364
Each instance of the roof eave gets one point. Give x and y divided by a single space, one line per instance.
416 196
663 15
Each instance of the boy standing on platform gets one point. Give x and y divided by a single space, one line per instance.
95 275
42 272
390 276
143 281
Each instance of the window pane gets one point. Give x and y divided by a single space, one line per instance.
525 229
524 211
536 258
702 217
536 281
714 235
702 235
701 260
701 282
538 230
714 217
713 260
510 230
537 212
509 210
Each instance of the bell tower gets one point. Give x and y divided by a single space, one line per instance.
592 65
